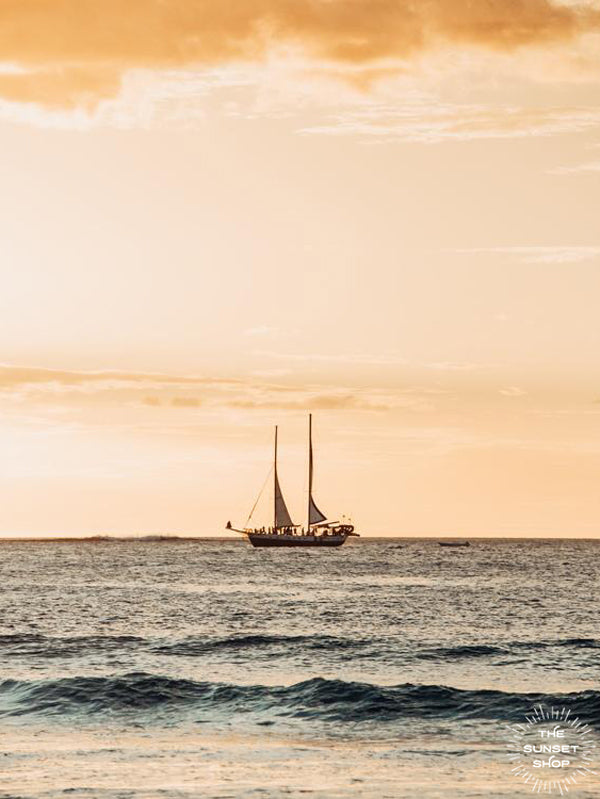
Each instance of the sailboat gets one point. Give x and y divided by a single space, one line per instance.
318 532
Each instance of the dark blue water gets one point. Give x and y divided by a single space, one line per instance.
216 670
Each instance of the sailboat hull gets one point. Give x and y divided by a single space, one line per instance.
269 540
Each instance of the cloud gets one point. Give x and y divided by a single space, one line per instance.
454 366
314 401
76 52
589 166
428 122
186 402
540 255
368 359
62 87
57 390
261 330
21 376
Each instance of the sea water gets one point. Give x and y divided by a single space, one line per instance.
210 669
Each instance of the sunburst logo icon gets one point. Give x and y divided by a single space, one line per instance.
551 750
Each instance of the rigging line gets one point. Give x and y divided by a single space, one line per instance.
259 496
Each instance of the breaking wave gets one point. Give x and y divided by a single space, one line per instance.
316 699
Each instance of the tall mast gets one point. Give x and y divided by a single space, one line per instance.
310 467
275 483
282 516
315 516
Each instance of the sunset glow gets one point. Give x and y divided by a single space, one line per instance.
218 217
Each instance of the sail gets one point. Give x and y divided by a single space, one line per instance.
282 515
314 514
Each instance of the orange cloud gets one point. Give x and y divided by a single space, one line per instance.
73 389
68 87
17 377
76 51
186 402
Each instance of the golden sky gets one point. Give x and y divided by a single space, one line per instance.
218 216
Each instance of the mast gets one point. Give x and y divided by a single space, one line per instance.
275 483
314 514
281 515
310 468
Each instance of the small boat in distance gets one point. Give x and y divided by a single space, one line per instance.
454 543
284 533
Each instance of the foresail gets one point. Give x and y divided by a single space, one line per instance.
282 515
315 515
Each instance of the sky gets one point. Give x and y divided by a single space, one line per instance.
219 217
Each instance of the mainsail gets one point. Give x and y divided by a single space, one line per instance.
282 515
314 514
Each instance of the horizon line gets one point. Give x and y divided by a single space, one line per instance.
166 537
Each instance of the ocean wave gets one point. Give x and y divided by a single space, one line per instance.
258 641
316 699
459 652
42 646
260 646
506 648
23 644
264 645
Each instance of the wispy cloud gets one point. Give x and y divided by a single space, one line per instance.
53 389
316 399
367 359
539 255
454 366
576 169
430 122
261 330
12 377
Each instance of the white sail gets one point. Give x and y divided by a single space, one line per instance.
314 514
282 515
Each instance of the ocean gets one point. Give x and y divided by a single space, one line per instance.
393 668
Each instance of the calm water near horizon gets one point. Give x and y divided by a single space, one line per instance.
210 669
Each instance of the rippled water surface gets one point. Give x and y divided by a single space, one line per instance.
381 669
